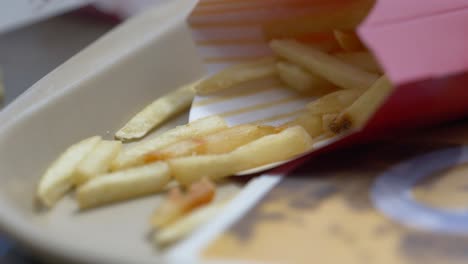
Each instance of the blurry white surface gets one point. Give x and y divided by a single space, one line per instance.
17 13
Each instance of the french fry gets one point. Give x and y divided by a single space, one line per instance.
357 114
219 142
268 149
157 112
341 74
123 185
334 102
362 59
97 161
186 225
348 40
345 17
60 176
237 74
328 119
310 122
135 155
302 81
178 204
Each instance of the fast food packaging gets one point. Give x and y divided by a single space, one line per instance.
426 67
355 206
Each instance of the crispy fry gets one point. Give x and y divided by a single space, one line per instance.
334 102
219 142
98 160
187 224
135 155
347 16
237 74
157 112
178 204
348 40
302 81
327 66
123 185
60 176
357 114
310 122
363 59
268 149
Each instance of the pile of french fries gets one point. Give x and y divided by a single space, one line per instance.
348 82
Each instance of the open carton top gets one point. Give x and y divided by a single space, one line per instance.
427 67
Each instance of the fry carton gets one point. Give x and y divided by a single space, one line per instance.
357 206
427 72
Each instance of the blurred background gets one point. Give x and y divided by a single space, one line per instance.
36 36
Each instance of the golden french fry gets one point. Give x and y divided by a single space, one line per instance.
268 149
97 161
135 155
348 40
310 122
357 114
178 204
362 59
327 119
187 224
219 142
123 185
345 17
157 112
237 74
334 102
60 176
341 74
302 81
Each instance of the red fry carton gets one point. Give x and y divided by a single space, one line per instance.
419 46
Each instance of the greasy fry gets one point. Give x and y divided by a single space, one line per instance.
237 74
98 160
357 114
135 155
327 66
310 122
187 224
268 149
123 185
348 40
302 81
334 102
60 176
219 142
157 112
178 204
346 16
362 59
